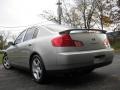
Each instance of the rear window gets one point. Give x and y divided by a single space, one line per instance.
57 28
62 28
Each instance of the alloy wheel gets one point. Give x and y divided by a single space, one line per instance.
6 62
36 68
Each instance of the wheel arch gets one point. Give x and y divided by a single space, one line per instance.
4 53
30 60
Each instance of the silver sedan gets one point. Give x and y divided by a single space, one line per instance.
53 47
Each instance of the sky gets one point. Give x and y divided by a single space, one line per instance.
23 12
15 13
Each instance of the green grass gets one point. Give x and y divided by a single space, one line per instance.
1 56
116 45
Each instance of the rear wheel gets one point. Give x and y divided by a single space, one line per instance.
6 62
37 69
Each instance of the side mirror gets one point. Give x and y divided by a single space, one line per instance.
10 43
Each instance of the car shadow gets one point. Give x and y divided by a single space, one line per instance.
76 80
66 81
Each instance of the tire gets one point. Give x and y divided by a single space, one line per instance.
6 62
37 69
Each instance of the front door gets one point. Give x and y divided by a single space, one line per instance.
14 53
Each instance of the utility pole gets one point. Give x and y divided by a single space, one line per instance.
118 3
59 11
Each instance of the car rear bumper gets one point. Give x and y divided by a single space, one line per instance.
78 69
82 59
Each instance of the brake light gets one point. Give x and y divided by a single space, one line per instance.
66 41
106 43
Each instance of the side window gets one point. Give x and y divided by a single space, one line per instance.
31 33
19 38
35 32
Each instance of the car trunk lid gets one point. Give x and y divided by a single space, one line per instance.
92 39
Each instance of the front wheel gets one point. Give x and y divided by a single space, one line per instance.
37 69
6 62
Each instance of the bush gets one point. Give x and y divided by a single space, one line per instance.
115 43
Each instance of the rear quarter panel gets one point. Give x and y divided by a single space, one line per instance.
43 46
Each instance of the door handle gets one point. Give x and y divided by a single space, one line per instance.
29 44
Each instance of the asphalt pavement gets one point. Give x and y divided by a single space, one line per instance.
105 78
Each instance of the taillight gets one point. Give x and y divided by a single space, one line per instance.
66 41
106 43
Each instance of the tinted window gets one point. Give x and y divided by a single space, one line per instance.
19 38
31 33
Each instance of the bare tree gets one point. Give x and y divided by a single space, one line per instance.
3 38
86 13
49 16
87 9
72 14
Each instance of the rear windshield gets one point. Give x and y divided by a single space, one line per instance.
61 28
57 28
